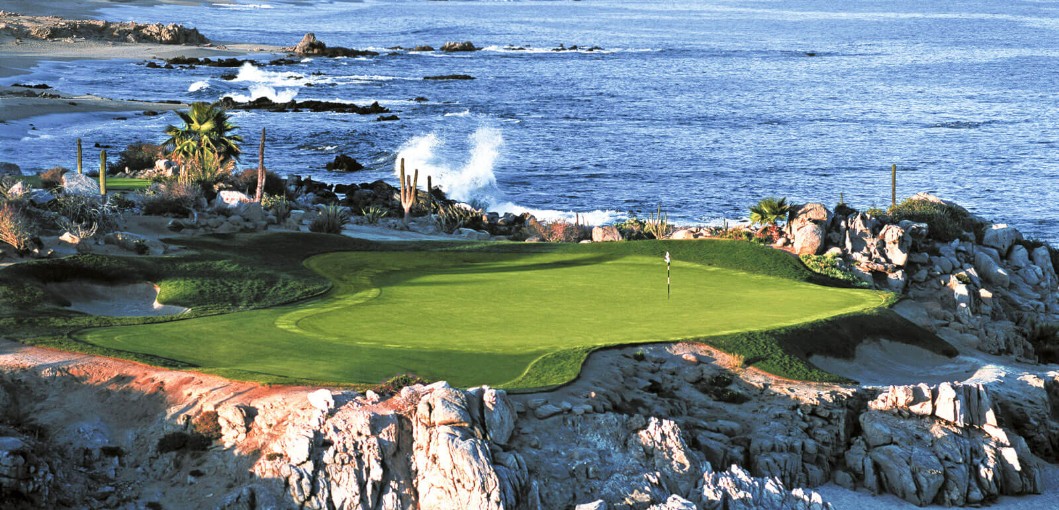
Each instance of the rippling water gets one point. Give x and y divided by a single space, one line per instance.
702 107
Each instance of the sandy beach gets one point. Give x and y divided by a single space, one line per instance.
21 55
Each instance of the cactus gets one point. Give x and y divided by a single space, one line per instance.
260 169
430 195
79 156
893 185
408 192
103 173
657 224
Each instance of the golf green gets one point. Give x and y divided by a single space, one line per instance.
483 317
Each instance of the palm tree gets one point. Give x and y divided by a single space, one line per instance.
206 130
768 211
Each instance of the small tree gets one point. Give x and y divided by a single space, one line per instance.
204 145
768 212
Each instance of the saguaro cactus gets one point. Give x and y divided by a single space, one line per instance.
103 172
408 192
260 169
893 185
79 156
430 194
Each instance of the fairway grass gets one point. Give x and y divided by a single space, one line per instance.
511 315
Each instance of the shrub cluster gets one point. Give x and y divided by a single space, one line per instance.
946 222
137 156
52 178
831 266
171 198
246 181
16 228
208 425
561 231
394 384
183 441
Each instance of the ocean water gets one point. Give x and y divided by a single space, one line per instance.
701 107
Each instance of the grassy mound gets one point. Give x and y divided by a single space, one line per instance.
514 315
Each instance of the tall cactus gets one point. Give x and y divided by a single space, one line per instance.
79 156
103 173
430 194
260 169
408 193
893 185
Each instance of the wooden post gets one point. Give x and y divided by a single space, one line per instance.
79 156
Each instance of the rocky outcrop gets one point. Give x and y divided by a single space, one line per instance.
808 227
344 163
459 46
266 104
80 185
311 46
940 445
54 28
605 234
10 170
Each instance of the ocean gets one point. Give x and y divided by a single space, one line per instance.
700 107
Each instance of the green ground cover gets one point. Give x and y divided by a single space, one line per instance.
514 315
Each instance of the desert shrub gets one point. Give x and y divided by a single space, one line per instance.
7 192
278 204
1045 340
875 212
455 216
561 231
639 355
394 384
207 424
137 156
831 266
946 222
85 216
207 169
171 198
373 213
16 228
632 227
52 178
246 181
736 234
329 220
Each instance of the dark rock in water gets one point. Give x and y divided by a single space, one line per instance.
344 163
423 47
450 77
562 47
387 118
156 65
283 62
420 99
810 53
229 76
151 113
207 62
40 86
310 45
459 46
264 103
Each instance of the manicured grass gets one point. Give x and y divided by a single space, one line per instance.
113 183
514 315
126 184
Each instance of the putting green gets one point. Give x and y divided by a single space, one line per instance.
483 317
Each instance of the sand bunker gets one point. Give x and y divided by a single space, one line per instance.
133 300
884 363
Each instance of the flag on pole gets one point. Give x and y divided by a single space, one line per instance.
667 275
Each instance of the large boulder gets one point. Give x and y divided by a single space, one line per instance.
1001 237
896 243
808 226
344 163
80 185
10 170
990 270
605 234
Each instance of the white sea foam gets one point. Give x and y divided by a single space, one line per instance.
465 113
251 73
475 180
242 7
199 85
258 90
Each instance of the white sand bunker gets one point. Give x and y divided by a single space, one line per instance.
885 363
132 300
